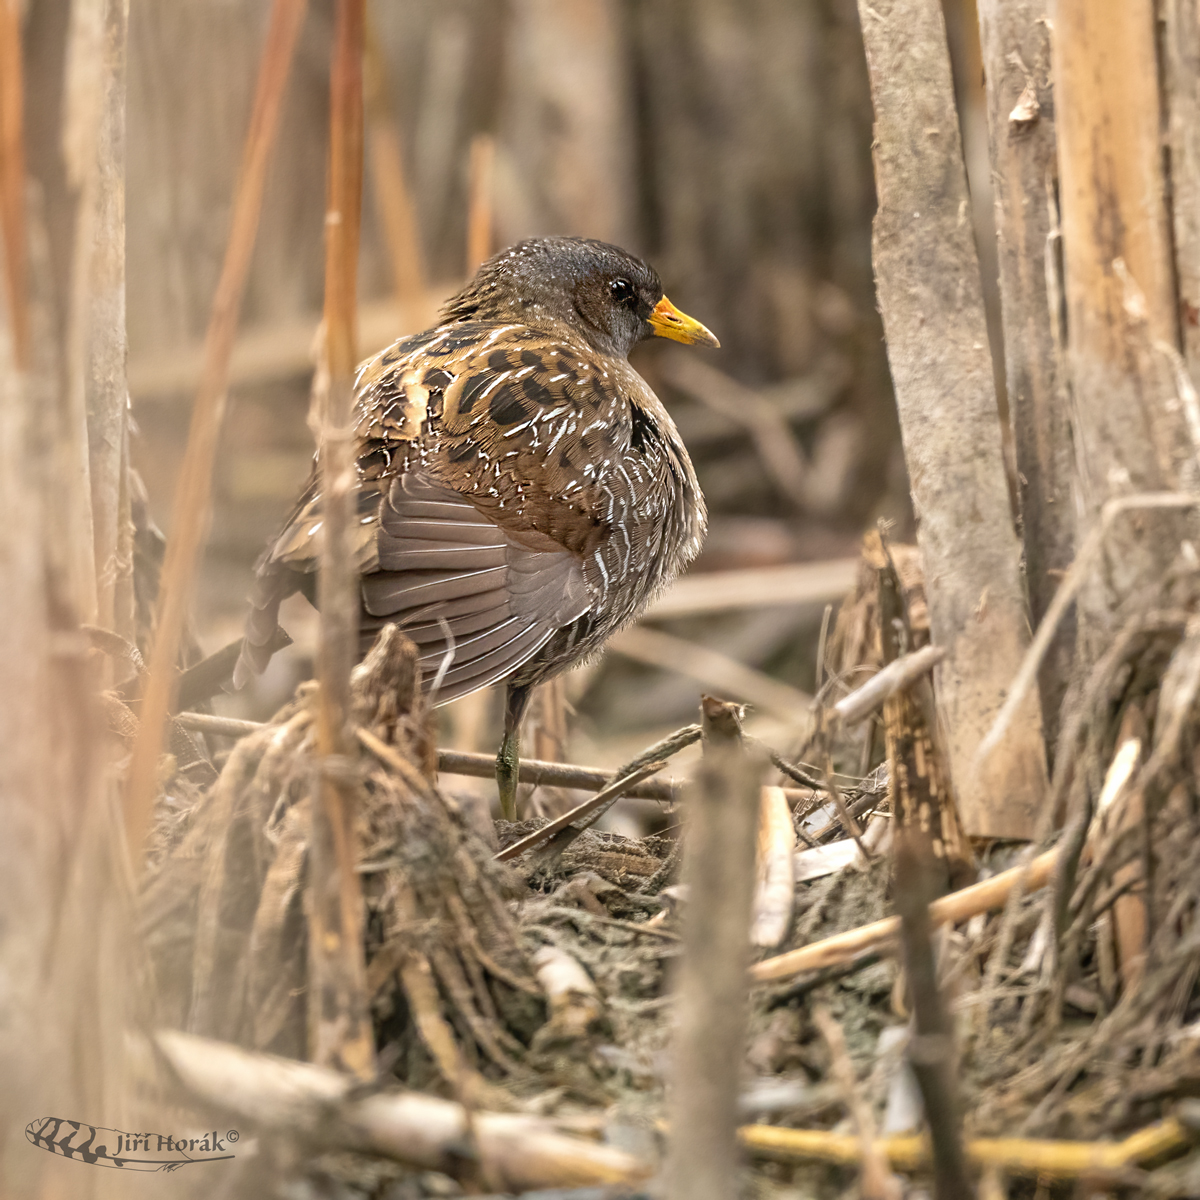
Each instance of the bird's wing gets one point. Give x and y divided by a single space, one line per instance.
479 600
479 519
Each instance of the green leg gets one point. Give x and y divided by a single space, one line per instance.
508 761
508 764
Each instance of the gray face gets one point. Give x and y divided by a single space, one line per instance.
605 293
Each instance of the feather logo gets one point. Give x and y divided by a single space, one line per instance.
101 1147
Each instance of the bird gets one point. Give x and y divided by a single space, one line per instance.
522 494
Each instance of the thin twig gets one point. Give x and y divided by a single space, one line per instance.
533 771
821 644
192 495
222 726
949 910
791 771
849 824
895 677
572 823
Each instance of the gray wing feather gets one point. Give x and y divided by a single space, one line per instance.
435 565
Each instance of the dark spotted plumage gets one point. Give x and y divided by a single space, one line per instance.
522 492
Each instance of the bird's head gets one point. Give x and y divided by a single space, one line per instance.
612 298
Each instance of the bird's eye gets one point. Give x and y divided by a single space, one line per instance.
623 292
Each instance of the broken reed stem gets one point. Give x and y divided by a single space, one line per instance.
479 200
931 1047
339 1019
930 297
190 511
1119 286
709 1043
12 181
1016 40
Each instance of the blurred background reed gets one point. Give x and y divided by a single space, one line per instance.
726 141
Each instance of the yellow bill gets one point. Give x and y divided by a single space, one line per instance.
667 321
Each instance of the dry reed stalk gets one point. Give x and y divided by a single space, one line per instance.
924 811
899 674
1015 35
339 1019
82 99
539 773
552 774
94 150
931 300
710 1034
1020 1156
949 910
68 994
324 1110
190 512
479 200
12 181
